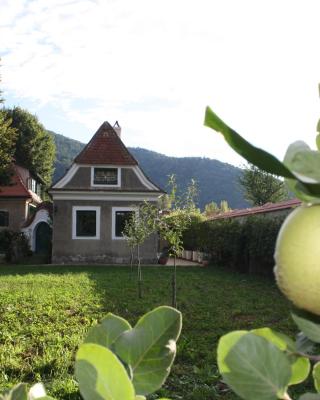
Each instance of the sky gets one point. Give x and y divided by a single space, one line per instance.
154 65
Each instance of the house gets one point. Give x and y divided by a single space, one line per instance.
19 199
19 205
95 197
268 209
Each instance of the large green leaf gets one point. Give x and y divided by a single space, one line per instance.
38 392
303 191
303 162
300 366
19 392
101 375
308 324
107 331
254 155
226 342
309 396
300 369
304 344
283 342
316 376
261 158
150 347
257 369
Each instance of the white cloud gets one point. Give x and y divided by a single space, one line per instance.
155 65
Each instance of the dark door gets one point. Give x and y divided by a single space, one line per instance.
43 238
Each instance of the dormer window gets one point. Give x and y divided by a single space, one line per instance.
32 185
105 176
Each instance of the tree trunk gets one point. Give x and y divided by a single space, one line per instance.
139 275
174 284
131 259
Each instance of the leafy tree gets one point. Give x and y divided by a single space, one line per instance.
137 229
213 208
172 225
35 148
7 148
262 187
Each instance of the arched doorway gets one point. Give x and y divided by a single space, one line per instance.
43 239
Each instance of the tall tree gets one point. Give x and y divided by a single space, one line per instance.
35 147
261 187
7 145
7 148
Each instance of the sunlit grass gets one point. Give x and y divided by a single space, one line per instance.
46 310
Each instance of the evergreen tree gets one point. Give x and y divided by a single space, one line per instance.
261 187
35 147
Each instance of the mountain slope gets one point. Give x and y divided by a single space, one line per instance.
216 180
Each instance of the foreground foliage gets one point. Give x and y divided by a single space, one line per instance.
263 363
46 312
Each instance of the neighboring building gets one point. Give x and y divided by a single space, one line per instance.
95 197
19 204
268 209
19 199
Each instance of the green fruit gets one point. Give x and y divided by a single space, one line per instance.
297 257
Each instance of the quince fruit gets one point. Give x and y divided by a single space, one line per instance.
297 257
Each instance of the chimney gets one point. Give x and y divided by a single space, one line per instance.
117 128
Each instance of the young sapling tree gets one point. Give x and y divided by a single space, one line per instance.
138 228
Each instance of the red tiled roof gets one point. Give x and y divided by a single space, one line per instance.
268 207
105 148
16 189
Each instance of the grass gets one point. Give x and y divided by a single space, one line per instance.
45 312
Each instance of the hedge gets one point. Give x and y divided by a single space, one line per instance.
245 246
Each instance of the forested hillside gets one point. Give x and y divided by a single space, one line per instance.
216 180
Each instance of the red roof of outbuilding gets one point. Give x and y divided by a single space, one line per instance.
17 187
266 208
105 148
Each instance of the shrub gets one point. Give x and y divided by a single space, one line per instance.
244 246
15 245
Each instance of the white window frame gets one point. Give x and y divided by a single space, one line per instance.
106 167
113 222
74 222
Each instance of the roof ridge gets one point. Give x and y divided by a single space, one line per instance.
105 147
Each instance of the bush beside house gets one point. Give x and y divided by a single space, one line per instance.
243 245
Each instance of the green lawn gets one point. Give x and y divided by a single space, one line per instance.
45 312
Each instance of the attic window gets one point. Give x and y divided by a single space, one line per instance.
101 176
32 185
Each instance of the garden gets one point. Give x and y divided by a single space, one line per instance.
47 310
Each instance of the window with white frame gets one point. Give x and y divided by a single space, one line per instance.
119 217
105 176
85 222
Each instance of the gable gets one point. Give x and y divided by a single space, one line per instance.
105 164
105 148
